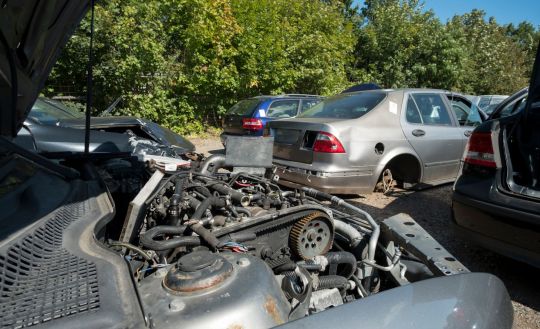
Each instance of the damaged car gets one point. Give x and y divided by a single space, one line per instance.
109 240
52 128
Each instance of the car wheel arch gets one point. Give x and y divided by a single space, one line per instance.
405 166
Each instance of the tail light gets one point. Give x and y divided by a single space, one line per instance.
479 150
327 143
252 124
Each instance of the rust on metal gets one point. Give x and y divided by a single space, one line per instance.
271 308
235 326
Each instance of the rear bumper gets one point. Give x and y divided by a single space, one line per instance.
350 182
504 230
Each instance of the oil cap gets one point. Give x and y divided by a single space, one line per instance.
196 271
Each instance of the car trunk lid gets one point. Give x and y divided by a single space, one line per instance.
294 139
233 122
521 142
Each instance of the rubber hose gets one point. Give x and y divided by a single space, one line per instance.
206 235
147 238
349 232
211 201
236 196
203 190
333 281
193 202
342 258
242 210
291 266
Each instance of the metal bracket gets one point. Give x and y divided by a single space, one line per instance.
405 232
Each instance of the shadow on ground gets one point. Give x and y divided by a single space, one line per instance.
431 209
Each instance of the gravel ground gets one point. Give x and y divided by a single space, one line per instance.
431 209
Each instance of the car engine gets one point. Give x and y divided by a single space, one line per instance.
214 248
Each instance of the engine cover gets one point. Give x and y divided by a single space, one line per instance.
248 296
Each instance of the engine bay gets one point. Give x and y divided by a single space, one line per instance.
210 245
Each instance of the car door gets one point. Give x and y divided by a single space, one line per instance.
433 134
467 116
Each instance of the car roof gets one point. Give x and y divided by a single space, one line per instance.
298 96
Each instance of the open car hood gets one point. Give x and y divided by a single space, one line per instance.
532 107
32 32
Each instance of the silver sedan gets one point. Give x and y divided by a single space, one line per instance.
350 142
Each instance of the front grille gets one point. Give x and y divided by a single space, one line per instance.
40 281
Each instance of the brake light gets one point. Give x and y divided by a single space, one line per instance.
479 150
327 143
252 124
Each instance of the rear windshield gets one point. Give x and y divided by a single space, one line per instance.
345 106
49 113
245 107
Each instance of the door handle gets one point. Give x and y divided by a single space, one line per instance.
418 132
467 133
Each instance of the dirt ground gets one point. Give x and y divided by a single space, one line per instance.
431 209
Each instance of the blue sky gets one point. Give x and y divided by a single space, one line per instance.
509 11
504 11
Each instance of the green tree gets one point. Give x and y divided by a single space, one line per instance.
402 45
292 46
527 37
182 63
495 64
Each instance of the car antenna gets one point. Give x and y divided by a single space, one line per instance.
89 78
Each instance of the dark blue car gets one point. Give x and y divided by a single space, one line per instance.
249 116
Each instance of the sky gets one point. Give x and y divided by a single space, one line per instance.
504 11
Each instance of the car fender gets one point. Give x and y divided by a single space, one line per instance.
387 157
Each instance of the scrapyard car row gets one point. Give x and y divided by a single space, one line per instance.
109 240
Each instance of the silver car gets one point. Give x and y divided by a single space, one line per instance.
345 143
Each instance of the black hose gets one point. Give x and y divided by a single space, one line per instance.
208 202
236 196
333 281
291 266
203 190
342 258
147 238
243 211
205 234
193 202
173 212
198 228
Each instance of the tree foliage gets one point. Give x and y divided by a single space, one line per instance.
401 45
182 63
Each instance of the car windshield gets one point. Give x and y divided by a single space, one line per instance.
345 106
245 107
49 112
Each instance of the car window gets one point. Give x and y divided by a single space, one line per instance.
245 107
308 103
49 114
432 109
484 101
513 108
466 115
413 115
346 106
283 109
